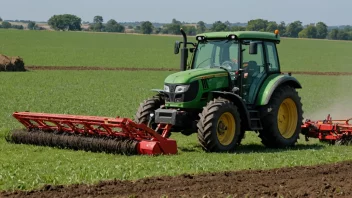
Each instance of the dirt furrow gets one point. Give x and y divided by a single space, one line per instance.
332 180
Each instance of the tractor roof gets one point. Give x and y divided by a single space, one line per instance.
242 35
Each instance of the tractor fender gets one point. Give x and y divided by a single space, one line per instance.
238 101
270 85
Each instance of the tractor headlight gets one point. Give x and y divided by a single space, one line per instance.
181 88
166 88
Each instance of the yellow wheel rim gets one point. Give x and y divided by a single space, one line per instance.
226 128
287 118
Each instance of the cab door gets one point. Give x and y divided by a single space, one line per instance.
254 71
257 67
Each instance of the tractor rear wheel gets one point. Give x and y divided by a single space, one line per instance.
219 126
146 108
282 118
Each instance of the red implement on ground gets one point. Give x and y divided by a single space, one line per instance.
146 140
329 130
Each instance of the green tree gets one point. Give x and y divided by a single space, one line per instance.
158 30
257 25
322 30
137 29
19 27
311 31
347 28
238 28
282 28
98 19
174 21
342 35
219 26
349 37
67 22
308 32
164 30
201 28
271 26
303 34
6 25
113 26
333 34
147 27
228 24
293 29
174 27
97 24
190 30
31 25
0 19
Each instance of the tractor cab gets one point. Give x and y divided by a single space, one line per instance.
248 57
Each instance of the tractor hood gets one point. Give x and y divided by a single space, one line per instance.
185 77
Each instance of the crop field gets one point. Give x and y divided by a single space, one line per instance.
118 93
123 50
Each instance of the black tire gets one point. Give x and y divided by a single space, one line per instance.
270 135
146 108
208 126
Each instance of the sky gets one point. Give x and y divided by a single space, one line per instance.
337 12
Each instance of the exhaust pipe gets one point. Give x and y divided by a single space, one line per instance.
184 51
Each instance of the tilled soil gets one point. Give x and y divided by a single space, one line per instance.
332 180
164 69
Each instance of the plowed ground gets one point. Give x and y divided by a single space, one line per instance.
332 180
162 69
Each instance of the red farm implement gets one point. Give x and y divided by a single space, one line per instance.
122 135
329 130
114 135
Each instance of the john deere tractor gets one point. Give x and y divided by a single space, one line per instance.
231 84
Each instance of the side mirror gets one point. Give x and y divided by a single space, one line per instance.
177 47
253 48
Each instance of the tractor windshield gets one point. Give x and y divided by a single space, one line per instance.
217 53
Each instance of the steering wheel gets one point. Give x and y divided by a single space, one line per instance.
228 65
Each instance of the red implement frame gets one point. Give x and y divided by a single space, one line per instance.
327 130
150 142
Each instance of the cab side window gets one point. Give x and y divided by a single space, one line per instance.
258 58
272 57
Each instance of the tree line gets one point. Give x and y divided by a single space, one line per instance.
6 25
296 29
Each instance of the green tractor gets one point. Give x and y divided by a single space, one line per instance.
231 84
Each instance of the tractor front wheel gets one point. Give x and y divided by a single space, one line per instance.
282 118
146 108
219 126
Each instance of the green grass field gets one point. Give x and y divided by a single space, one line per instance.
123 50
109 94
118 93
